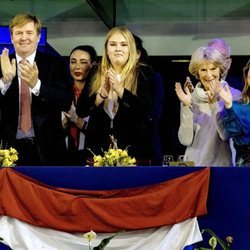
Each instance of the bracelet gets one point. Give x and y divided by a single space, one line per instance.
103 97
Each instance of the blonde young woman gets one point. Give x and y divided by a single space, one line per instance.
119 100
235 118
206 143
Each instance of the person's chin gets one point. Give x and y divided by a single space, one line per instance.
119 61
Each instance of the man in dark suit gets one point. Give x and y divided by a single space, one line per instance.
34 129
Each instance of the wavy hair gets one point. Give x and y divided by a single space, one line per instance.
207 54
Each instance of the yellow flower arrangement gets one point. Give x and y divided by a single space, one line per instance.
114 157
8 157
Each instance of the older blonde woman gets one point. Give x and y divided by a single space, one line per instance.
206 143
119 99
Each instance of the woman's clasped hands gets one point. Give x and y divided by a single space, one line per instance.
110 83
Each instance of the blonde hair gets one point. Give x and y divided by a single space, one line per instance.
246 89
128 74
207 54
22 19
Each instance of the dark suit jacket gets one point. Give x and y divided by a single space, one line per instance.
130 125
55 96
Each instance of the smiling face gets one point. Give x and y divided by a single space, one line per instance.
208 72
117 50
80 65
25 39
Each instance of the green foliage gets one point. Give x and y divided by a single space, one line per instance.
104 243
215 240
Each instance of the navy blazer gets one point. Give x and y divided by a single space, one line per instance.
55 96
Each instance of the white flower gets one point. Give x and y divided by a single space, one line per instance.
90 236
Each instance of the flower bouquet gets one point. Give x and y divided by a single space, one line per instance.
8 157
113 157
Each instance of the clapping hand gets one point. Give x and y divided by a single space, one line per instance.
226 96
71 114
189 84
184 95
8 67
213 90
114 83
29 73
105 85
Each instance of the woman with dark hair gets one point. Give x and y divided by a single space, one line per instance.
235 118
82 62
